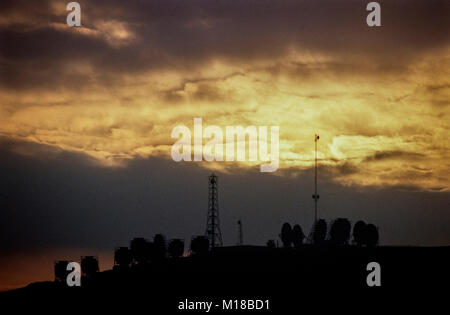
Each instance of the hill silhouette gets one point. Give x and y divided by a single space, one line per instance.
281 275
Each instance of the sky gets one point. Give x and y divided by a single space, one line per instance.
86 115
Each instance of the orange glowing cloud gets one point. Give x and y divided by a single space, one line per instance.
122 82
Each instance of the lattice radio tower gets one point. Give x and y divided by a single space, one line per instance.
213 223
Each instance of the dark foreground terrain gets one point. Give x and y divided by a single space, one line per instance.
289 278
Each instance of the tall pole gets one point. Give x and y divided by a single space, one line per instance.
240 234
315 196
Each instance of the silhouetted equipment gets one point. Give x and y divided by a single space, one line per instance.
371 235
297 236
158 247
271 244
316 195
359 233
213 233
176 248
240 234
89 265
319 231
140 250
199 245
60 269
340 231
286 235
122 257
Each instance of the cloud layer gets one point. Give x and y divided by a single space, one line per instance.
114 88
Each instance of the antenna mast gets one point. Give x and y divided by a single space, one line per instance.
240 234
315 196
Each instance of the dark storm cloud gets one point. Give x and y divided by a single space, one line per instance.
183 35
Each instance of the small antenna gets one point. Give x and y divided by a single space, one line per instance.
240 234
